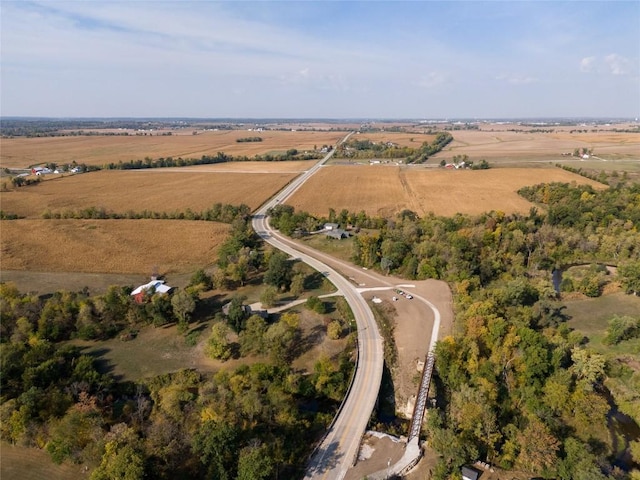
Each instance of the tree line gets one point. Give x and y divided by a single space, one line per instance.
219 212
355 148
220 157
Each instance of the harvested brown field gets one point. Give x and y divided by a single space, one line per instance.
110 246
23 152
158 190
501 143
384 189
403 139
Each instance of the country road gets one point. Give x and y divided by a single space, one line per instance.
338 450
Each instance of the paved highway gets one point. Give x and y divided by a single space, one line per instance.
339 449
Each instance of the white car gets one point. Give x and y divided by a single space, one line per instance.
409 296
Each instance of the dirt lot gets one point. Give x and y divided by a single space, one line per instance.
387 189
101 150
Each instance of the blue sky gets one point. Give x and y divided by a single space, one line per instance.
320 59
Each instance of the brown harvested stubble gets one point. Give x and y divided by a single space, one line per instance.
157 190
110 246
385 189
497 142
403 139
99 150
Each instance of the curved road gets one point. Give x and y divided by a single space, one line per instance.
338 451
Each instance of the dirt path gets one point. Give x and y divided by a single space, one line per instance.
410 194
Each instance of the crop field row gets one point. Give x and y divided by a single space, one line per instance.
134 246
110 246
100 150
504 144
403 139
158 190
387 189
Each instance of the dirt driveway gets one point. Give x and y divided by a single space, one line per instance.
414 319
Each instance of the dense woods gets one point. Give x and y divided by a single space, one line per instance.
514 385
256 421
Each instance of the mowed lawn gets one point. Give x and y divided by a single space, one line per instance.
23 463
387 189
590 315
110 246
158 190
99 150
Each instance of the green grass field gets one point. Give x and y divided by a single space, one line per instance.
152 352
23 463
590 317
341 249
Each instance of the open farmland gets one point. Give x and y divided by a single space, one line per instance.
502 143
403 139
158 190
110 246
384 189
23 152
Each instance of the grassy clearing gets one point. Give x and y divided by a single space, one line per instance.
154 351
41 283
22 463
314 341
341 249
590 316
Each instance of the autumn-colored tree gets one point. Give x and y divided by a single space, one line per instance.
255 462
219 345
334 330
538 447
587 366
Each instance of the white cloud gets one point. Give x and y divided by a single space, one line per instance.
618 65
613 64
432 79
517 79
587 64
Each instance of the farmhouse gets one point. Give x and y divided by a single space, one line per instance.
248 311
154 286
337 233
40 171
470 474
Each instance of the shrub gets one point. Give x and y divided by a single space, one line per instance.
317 305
